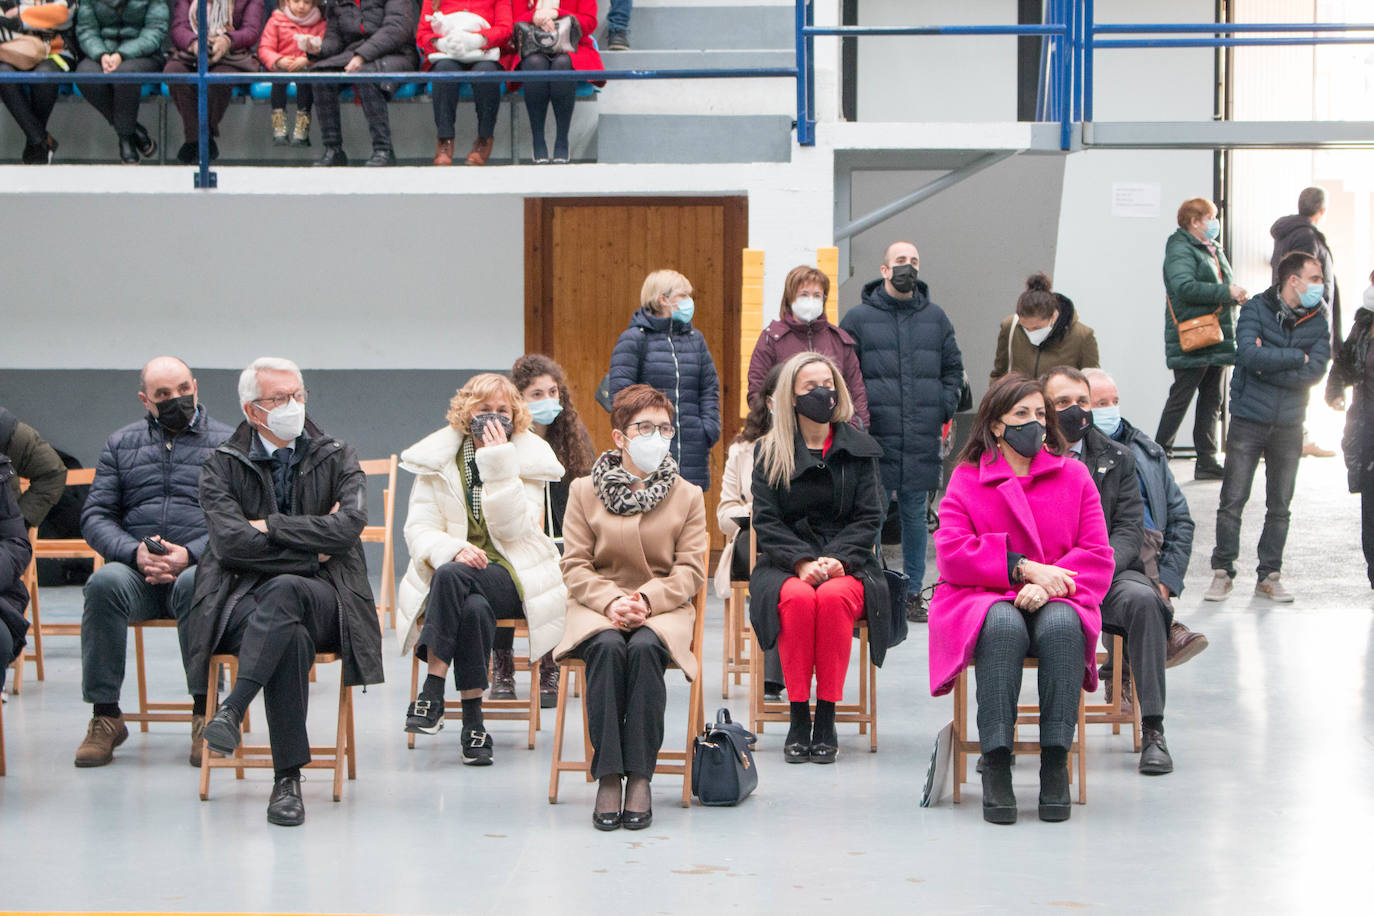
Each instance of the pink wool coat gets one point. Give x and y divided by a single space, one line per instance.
1053 516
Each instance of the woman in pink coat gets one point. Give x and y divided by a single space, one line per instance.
1023 553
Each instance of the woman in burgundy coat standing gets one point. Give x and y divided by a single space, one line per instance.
1025 562
803 327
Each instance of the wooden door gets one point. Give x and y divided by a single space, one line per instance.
585 261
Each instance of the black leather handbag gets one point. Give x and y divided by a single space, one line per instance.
530 39
723 770
897 582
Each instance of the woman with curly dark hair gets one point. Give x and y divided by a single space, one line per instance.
540 382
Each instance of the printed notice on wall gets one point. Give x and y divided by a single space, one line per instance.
1135 200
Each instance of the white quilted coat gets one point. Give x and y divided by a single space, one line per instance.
513 478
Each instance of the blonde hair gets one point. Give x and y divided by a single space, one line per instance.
478 389
662 283
776 449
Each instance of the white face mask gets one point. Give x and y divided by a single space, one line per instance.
1038 337
808 308
287 421
648 452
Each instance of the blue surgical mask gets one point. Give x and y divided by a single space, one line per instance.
684 309
1107 419
1213 229
1313 295
545 411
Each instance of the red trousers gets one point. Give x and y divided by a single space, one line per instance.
817 627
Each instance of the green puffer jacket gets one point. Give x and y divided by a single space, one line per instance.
1194 290
132 28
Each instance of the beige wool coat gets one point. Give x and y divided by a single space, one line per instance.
661 553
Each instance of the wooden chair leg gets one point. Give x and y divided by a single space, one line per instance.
17 680
211 704
414 692
534 700
756 689
695 716
863 681
142 674
872 705
1082 751
36 631
586 729
2 739
727 656
957 761
555 771
341 739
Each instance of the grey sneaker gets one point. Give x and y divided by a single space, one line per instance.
1220 587
1270 587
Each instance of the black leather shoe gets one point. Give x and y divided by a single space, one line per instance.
1154 753
381 157
1208 471
188 153
999 801
636 820
824 751
333 156
1055 803
799 752
285 809
143 142
222 732
127 154
606 820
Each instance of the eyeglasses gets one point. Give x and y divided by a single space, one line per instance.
645 428
273 403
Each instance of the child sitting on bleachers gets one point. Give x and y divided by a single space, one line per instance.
293 31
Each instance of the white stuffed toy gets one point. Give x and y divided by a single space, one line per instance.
458 39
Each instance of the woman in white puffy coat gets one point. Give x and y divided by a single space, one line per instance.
478 551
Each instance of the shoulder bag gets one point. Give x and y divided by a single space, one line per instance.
1197 333
21 50
723 770
531 39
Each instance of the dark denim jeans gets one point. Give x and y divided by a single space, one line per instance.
618 16
1246 443
911 506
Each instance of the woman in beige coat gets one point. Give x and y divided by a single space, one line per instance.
478 551
634 551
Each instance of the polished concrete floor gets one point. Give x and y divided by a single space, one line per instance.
1267 811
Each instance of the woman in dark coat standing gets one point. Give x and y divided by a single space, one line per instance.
817 511
1197 282
802 326
367 36
662 349
1351 367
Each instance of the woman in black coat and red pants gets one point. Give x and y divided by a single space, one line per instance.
817 511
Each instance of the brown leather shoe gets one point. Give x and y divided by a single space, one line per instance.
103 735
481 151
1184 645
1127 700
197 733
502 674
443 152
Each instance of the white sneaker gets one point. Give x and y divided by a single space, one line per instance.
1270 587
1220 587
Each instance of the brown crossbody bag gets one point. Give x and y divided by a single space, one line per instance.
1203 331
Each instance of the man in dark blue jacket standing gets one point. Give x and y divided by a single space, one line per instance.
143 517
913 372
1283 344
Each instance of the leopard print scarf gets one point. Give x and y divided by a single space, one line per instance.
612 484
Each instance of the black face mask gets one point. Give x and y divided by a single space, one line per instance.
904 278
1025 439
478 424
1074 422
175 414
818 404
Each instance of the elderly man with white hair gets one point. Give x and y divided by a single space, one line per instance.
143 518
284 577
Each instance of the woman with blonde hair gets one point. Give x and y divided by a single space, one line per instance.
478 551
662 349
817 511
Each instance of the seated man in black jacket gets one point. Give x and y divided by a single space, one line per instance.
284 576
143 518
1133 607
15 550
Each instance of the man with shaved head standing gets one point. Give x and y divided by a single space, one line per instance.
143 517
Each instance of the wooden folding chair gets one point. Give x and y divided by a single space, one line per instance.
670 762
737 634
961 746
51 549
179 711
326 757
384 534
1116 713
500 710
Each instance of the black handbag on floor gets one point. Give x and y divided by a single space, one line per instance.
723 771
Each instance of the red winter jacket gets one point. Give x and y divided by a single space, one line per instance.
496 12
586 56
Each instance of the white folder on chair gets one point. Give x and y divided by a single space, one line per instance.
937 774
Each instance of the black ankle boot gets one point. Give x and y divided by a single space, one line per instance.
1054 784
797 747
825 745
999 801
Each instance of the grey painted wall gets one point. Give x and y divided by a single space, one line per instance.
978 242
